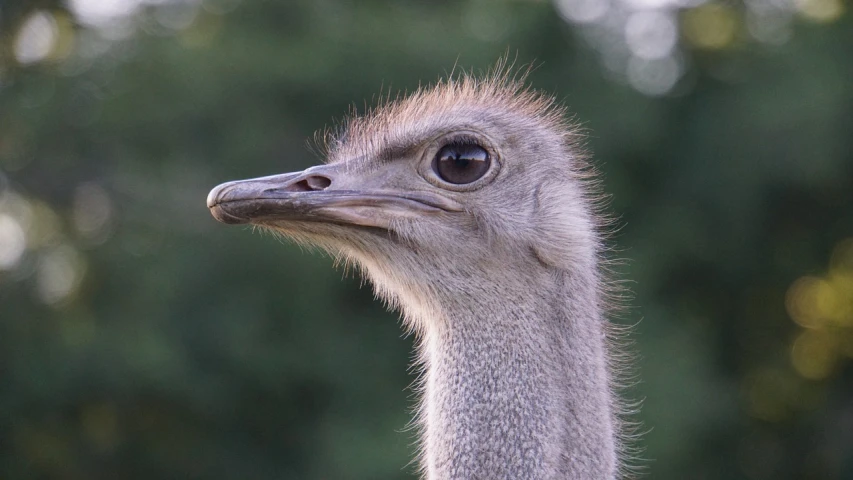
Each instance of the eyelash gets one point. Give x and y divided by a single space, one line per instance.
461 140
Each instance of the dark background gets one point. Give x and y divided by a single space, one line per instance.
141 339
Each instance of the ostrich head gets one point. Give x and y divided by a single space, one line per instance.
468 206
470 177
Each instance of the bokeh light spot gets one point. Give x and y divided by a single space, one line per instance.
36 38
816 302
650 4
13 242
582 11
653 77
712 26
820 10
102 12
769 26
59 273
824 306
651 34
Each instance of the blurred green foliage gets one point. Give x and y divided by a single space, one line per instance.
140 339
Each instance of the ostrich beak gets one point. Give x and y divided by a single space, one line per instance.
325 193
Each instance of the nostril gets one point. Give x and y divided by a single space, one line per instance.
300 186
309 184
318 182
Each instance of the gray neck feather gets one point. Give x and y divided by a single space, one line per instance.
516 385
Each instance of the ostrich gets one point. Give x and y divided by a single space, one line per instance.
470 206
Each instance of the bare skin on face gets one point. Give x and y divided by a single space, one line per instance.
469 207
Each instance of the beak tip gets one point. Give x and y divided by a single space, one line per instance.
213 196
214 203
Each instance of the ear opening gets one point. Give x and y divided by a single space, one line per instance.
564 235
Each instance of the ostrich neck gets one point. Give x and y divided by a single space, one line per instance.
517 387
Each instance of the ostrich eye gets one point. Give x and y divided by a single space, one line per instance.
461 163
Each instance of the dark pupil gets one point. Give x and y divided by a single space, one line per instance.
461 164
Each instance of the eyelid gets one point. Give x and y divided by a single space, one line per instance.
463 139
